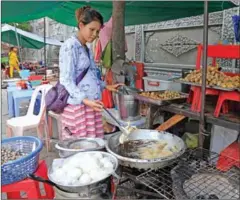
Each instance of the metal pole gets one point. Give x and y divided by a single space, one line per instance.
45 59
20 54
204 75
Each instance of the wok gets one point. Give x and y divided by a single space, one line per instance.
113 146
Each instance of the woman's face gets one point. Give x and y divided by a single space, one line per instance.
15 49
90 31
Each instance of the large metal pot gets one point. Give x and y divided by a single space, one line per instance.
128 106
66 148
87 190
113 147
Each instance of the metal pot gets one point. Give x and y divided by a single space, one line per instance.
113 147
66 148
128 106
89 189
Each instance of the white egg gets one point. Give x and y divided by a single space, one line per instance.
108 164
58 175
85 179
98 156
74 173
93 174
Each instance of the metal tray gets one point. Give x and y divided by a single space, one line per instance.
209 87
160 102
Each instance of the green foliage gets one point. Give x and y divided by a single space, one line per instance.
24 26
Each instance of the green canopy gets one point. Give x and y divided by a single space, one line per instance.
137 12
26 39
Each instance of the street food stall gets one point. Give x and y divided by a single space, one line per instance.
139 161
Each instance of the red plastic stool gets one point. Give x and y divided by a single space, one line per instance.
208 92
31 187
45 82
229 157
195 97
233 96
35 77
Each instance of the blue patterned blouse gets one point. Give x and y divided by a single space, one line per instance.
73 59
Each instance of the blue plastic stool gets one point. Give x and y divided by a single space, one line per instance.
10 91
19 96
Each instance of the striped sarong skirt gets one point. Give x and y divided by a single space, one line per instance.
82 121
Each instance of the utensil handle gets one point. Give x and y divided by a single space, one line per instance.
40 179
68 131
113 117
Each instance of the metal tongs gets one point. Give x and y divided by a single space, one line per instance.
125 132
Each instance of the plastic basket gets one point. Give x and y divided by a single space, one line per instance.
19 169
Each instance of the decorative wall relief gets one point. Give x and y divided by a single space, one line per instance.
179 45
147 54
138 42
228 34
228 31
129 29
214 19
216 29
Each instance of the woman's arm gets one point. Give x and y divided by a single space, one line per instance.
67 64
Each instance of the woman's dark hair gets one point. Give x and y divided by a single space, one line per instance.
86 15
11 48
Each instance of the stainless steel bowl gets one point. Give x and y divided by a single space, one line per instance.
89 189
71 147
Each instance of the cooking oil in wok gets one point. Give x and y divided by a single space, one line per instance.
145 149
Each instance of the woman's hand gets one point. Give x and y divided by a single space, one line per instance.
114 88
96 105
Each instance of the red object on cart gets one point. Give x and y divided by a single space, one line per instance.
140 74
107 98
229 157
214 52
35 77
30 186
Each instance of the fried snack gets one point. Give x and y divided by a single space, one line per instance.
214 78
166 95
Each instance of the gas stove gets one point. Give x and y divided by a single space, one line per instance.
198 165
131 187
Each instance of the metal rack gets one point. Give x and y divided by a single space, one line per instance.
195 175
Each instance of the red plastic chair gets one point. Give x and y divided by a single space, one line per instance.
223 97
229 157
30 186
214 52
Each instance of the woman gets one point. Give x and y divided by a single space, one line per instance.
13 61
82 117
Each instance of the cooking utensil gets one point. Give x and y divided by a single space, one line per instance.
125 132
173 141
127 105
125 90
68 147
78 188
